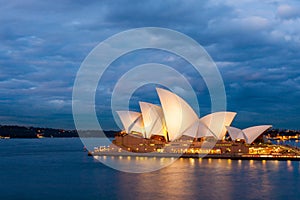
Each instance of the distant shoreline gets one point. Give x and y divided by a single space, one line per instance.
11 131
14 131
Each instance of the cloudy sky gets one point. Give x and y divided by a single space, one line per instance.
255 44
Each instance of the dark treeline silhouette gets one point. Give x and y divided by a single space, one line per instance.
35 132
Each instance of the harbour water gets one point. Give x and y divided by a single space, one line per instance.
60 169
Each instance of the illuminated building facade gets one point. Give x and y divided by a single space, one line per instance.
177 128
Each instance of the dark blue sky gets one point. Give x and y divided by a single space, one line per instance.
255 44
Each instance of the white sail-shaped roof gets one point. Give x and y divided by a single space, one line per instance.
154 122
198 130
217 121
253 132
248 134
132 121
179 116
235 133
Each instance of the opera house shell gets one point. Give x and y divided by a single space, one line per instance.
248 134
175 118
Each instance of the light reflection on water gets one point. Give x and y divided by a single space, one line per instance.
215 179
59 169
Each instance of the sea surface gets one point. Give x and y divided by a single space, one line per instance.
60 169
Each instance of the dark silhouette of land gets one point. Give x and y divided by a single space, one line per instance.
11 131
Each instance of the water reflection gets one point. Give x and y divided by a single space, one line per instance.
289 165
188 178
81 177
135 164
251 162
239 163
192 161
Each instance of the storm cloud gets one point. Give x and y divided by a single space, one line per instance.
255 45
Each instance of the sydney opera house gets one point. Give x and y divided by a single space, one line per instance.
175 127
